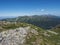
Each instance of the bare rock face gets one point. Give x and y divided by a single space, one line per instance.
14 36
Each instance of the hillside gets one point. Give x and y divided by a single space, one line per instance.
43 21
16 33
56 29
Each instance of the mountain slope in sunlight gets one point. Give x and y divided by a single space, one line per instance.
43 21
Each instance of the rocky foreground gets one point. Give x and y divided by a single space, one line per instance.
15 36
12 33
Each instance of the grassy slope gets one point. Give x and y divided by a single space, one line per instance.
43 38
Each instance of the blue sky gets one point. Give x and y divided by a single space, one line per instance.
29 7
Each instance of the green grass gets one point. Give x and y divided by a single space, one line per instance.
52 40
13 26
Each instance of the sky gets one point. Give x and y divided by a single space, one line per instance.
29 7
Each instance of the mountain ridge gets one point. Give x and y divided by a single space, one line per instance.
44 21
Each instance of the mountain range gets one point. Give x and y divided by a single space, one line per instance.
43 21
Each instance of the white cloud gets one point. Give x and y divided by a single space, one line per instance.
42 10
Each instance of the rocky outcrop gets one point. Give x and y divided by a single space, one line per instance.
15 36
28 36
